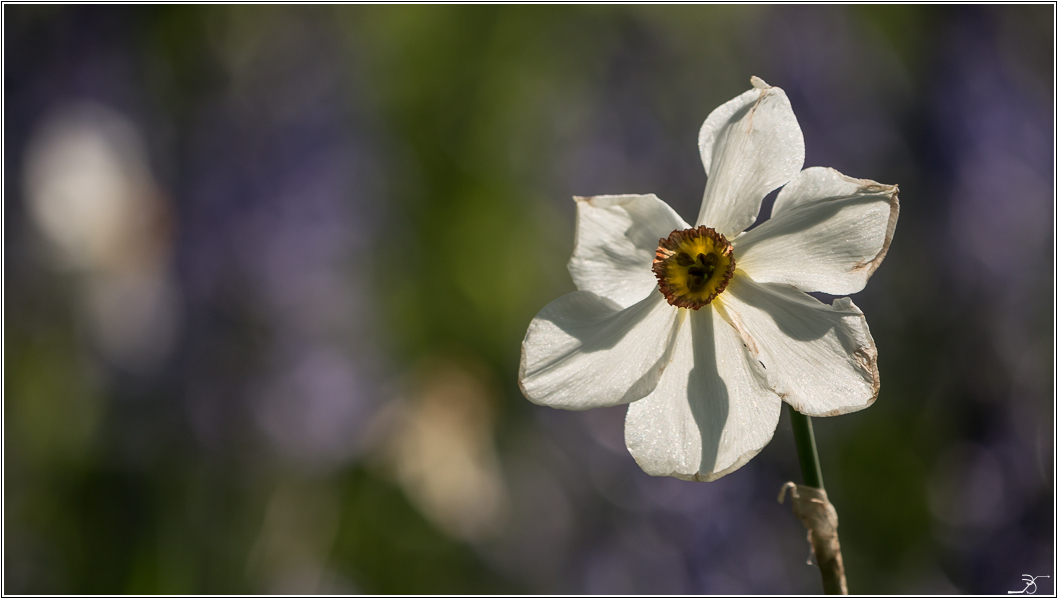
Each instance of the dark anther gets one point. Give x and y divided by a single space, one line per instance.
697 279
683 259
701 272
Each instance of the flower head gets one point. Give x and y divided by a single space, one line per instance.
705 330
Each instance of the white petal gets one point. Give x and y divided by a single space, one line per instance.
750 146
828 233
820 358
615 243
584 351
712 409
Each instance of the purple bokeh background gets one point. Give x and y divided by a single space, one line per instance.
364 200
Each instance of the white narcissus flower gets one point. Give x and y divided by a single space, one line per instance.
705 330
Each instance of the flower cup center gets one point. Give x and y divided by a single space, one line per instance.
693 266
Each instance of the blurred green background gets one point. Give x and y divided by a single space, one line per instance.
267 271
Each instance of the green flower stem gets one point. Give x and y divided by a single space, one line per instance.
806 448
823 535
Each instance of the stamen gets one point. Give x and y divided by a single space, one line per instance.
693 282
